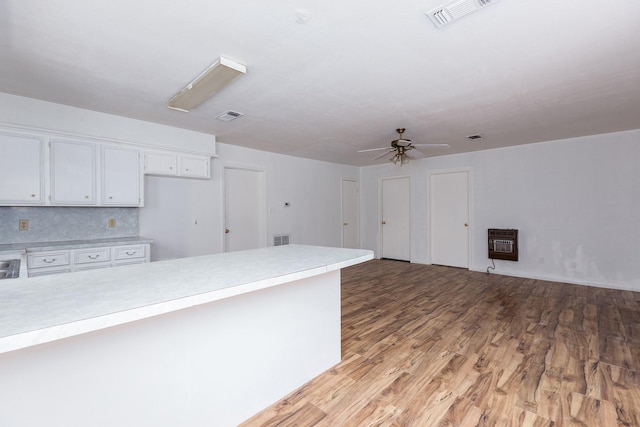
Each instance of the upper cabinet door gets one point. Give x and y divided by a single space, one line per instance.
73 173
21 166
161 163
121 176
196 167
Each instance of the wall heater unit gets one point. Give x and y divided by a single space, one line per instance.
503 244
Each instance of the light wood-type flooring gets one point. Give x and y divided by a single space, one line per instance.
426 345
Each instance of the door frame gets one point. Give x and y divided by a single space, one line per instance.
470 210
264 241
380 213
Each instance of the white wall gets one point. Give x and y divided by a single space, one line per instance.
312 188
174 205
31 113
575 202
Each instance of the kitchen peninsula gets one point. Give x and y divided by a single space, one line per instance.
207 340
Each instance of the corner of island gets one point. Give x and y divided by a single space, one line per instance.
207 340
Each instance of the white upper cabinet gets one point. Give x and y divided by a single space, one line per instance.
121 177
73 172
195 166
160 163
174 164
21 169
40 168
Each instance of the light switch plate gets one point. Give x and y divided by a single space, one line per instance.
112 223
23 224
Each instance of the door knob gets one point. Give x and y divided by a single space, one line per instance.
384 222
344 223
466 225
226 231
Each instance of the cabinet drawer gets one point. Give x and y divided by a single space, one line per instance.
48 259
129 252
92 255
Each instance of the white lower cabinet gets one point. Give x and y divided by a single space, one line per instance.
64 261
41 263
90 259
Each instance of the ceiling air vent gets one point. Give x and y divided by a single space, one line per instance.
451 11
227 116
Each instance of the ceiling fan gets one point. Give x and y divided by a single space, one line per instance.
400 147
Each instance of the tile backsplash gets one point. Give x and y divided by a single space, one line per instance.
51 224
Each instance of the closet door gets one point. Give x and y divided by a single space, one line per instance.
396 218
449 213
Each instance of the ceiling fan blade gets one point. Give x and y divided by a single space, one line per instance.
373 149
417 154
385 153
431 145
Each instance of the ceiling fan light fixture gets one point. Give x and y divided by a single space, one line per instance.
222 72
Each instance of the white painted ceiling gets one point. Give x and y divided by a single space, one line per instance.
517 71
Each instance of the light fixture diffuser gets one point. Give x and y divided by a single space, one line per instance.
208 83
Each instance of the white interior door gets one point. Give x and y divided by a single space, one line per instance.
449 214
350 214
396 218
244 216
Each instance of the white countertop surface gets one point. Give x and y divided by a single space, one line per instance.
48 308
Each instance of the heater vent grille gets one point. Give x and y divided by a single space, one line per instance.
280 240
503 244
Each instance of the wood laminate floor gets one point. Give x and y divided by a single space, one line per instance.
436 346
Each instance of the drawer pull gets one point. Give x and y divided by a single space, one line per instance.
49 262
96 256
131 253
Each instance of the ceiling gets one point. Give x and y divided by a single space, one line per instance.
326 79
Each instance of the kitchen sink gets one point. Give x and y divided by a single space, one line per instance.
9 269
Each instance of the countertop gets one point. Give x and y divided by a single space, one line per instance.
70 244
48 308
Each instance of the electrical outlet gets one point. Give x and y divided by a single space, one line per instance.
112 223
23 224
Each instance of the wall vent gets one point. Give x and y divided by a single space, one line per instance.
280 240
227 116
454 10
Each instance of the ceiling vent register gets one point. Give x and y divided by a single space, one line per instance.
454 10
227 116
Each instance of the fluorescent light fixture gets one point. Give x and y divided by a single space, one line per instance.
208 83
